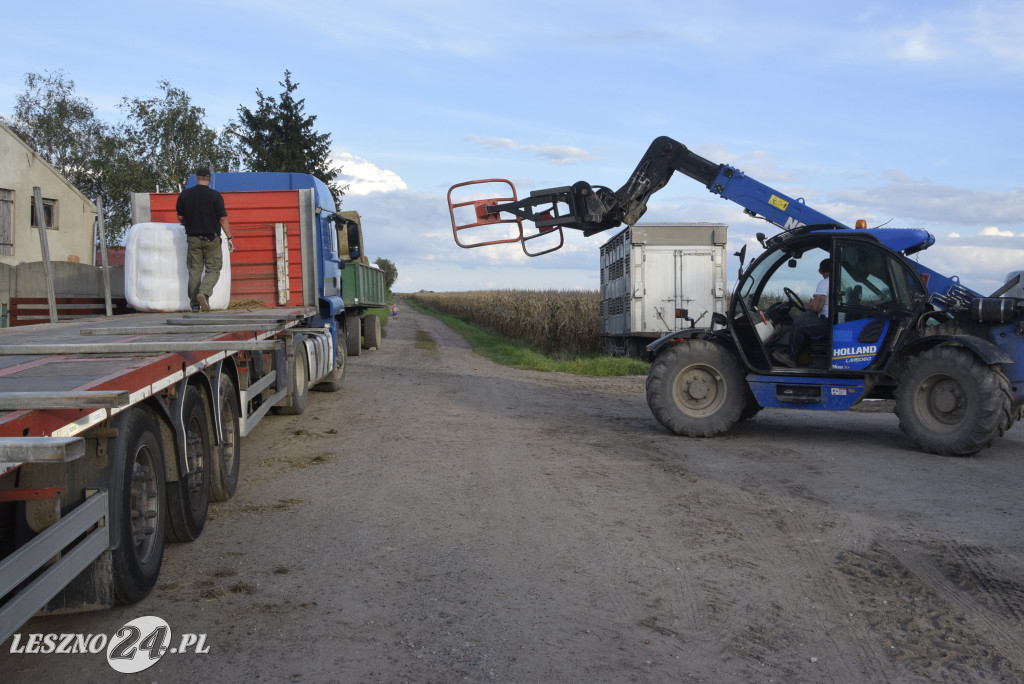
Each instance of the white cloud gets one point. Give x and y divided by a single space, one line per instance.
556 154
363 176
918 45
993 231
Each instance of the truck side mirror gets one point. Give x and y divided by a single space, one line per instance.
742 254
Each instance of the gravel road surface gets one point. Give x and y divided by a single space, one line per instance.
444 519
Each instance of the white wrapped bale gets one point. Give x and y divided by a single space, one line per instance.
155 271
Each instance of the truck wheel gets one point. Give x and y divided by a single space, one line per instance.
371 332
228 454
696 389
299 389
142 510
336 378
188 499
353 334
949 402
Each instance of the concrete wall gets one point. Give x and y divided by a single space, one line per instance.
29 280
21 169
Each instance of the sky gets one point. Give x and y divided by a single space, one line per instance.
908 114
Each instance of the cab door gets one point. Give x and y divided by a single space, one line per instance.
875 292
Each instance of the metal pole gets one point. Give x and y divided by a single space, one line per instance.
44 247
103 254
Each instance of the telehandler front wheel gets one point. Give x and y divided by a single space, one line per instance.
697 389
949 402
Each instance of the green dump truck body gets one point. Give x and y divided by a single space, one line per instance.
362 284
362 287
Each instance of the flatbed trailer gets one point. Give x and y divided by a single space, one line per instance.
117 432
111 443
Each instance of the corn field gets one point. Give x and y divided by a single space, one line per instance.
560 322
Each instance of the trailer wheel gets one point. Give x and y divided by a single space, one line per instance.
949 402
142 511
188 499
336 378
353 333
299 389
371 332
227 455
696 389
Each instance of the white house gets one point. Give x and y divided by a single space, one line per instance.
69 215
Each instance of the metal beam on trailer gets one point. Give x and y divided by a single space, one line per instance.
89 517
12 401
41 449
254 320
137 347
178 329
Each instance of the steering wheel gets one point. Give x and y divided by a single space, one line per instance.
794 299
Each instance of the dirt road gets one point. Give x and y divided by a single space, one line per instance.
444 519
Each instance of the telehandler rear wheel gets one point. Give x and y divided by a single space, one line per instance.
697 389
951 403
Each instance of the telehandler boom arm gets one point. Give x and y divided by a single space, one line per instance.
593 209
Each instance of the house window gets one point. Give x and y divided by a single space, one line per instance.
49 214
6 222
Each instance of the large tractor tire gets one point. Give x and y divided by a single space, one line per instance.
697 389
354 334
949 402
371 332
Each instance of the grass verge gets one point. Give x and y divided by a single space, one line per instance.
509 352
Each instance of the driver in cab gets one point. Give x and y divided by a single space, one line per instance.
812 326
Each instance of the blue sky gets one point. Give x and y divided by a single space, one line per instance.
907 112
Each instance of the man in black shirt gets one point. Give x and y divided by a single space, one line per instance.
201 210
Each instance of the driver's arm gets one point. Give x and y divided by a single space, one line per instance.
816 304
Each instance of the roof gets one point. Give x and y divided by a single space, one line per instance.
905 240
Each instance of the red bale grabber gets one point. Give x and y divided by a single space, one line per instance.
496 218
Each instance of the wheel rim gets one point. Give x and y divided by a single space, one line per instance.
145 503
699 389
301 376
196 455
941 401
227 445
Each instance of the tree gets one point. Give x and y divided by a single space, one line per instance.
390 271
62 128
278 136
161 141
168 137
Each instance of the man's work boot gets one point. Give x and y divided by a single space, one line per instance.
785 358
204 303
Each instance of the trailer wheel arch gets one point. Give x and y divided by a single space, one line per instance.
225 464
188 497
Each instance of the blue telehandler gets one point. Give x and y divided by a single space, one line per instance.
952 359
